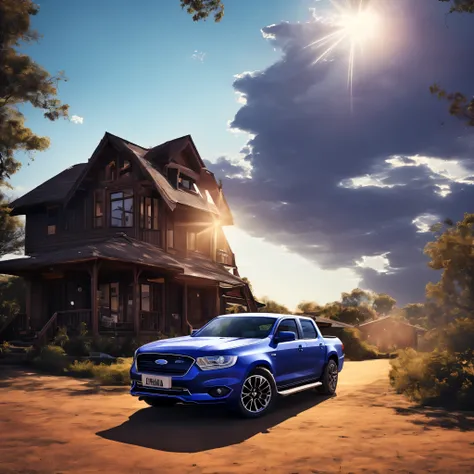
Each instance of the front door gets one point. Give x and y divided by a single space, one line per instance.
289 356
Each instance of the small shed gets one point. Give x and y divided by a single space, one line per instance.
329 327
390 332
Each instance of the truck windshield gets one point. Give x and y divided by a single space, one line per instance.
257 327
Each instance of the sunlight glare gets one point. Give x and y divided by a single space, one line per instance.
361 25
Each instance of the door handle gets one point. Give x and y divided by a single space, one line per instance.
300 347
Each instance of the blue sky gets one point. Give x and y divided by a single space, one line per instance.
337 197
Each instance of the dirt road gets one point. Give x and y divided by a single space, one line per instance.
62 425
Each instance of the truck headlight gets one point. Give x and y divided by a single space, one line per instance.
216 362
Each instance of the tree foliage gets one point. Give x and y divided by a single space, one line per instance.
202 9
356 297
452 253
461 105
272 306
309 307
11 230
383 303
22 81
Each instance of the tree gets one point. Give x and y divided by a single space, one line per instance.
272 306
415 313
246 280
201 9
384 303
308 307
22 81
11 230
356 297
461 106
452 253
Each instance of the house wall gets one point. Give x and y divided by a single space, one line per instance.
388 334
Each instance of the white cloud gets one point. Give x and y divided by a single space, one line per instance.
198 56
77 119
379 263
424 222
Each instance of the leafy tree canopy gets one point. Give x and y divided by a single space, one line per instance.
452 253
273 307
201 9
383 303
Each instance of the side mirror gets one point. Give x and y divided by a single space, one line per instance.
285 336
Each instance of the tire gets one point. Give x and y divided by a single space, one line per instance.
261 400
329 379
159 402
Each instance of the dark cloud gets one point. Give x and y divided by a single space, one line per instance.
307 139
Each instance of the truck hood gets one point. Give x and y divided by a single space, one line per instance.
188 345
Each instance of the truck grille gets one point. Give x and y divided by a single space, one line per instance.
176 365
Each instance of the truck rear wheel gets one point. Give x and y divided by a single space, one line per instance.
330 378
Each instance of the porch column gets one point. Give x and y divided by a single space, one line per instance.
162 325
29 289
184 320
94 302
136 303
218 302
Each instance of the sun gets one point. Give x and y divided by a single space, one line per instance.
355 27
360 26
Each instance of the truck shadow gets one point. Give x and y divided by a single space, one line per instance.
191 429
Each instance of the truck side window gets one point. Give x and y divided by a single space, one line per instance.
309 331
288 325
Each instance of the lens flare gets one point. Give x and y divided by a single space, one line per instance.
355 26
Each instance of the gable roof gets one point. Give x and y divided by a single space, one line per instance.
52 191
391 318
63 186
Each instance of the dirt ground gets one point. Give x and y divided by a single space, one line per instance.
62 425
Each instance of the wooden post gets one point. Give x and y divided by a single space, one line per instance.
94 301
163 306
218 301
136 302
184 319
29 288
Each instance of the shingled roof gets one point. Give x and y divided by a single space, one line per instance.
61 187
124 249
50 192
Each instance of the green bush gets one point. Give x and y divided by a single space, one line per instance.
113 374
4 349
355 348
52 359
439 378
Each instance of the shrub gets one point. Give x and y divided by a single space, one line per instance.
4 349
113 374
81 369
52 359
439 378
355 348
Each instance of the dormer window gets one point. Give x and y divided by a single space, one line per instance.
186 183
126 168
53 214
173 177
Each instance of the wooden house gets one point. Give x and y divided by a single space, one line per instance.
388 332
130 242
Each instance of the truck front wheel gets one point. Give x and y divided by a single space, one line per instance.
329 378
257 395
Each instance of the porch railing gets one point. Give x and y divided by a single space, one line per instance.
149 320
68 319
13 325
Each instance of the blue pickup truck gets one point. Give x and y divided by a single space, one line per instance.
245 361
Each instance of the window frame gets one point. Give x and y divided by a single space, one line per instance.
52 220
298 335
150 300
311 322
127 194
149 213
188 233
99 216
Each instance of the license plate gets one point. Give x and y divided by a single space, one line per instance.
156 381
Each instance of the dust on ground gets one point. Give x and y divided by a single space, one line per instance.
63 425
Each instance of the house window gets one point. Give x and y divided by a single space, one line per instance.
191 241
173 177
149 213
52 219
185 182
145 298
126 168
98 209
170 238
111 171
121 209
